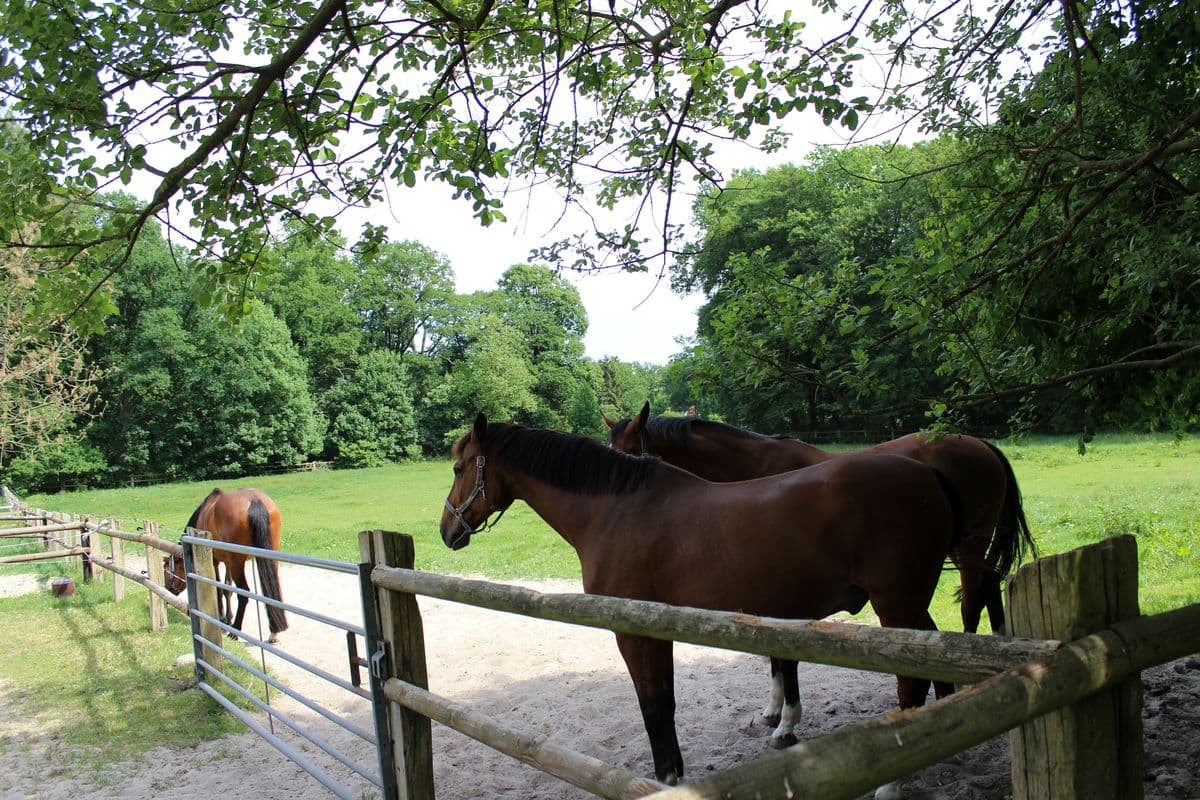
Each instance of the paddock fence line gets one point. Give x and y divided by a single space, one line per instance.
1068 688
86 541
209 633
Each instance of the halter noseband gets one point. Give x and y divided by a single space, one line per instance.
477 491
171 577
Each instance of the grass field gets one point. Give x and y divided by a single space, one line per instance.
1145 485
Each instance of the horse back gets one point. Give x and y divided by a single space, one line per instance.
228 517
971 466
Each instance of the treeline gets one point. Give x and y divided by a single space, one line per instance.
358 354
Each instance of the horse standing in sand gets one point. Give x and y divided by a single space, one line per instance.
245 517
803 545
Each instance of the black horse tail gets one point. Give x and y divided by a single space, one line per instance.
268 568
1012 539
956 509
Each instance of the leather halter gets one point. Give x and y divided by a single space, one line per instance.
476 492
171 577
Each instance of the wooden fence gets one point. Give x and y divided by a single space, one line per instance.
67 536
1068 687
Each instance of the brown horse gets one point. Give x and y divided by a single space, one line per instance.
246 517
996 534
872 528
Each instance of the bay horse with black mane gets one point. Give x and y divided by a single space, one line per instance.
995 536
802 545
246 517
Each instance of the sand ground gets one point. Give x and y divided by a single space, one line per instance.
560 681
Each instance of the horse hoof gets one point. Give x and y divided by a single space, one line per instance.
274 639
783 742
771 720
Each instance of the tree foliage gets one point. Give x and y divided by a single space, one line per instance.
1078 121
46 384
371 418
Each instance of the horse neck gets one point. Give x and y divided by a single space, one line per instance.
580 517
731 456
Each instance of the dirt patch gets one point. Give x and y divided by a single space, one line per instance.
564 682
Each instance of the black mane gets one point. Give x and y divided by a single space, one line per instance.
196 514
571 462
678 430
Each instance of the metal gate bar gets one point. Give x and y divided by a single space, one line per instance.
271 601
312 669
206 670
332 716
292 753
332 751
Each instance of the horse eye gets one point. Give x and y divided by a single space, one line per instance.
457 469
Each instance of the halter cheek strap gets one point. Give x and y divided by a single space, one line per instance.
476 492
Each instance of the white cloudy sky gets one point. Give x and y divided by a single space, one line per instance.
633 316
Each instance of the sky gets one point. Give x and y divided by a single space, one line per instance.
632 316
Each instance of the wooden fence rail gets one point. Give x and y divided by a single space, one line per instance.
93 556
947 656
1038 678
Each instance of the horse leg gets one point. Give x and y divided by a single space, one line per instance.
223 610
910 692
239 577
653 672
774 706
973 596
994 599
789 688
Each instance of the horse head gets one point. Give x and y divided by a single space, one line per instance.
629 435
467 506
173 574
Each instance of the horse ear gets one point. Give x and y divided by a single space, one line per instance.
480 427
607 421
639 421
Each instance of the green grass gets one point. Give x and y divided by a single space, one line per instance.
89 674
1145 485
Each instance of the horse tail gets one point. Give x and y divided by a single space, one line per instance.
958 514
268 568
1012 538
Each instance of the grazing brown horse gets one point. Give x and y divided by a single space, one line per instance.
240 516
802 545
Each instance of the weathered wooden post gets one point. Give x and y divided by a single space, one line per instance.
198 559
118 560
1094 749
88 545
395 621
154 570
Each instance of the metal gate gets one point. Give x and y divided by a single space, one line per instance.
380 776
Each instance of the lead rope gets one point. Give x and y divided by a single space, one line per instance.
262 654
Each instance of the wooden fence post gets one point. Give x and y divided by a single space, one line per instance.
154 570
400 627
201 563
1094 749
118 560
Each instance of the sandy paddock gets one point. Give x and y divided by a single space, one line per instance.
567 683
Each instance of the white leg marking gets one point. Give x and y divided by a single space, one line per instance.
788 720
775 703
889 791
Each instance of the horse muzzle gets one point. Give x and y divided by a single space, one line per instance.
456 532
456 536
